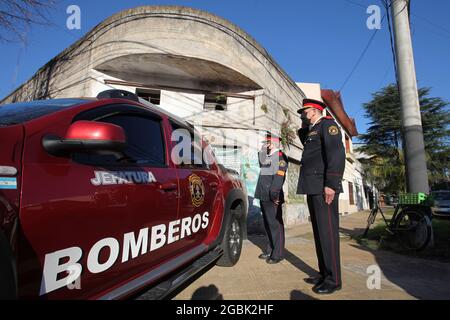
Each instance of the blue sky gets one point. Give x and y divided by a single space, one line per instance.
313 41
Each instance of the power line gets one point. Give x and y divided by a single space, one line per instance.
356 3
361 55
386 6
384 75
432 23
434 29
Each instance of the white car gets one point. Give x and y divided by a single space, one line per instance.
441 203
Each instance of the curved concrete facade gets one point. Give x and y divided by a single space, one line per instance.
171 31
186 53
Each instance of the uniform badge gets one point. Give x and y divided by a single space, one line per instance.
281 173
333 130
312 133
197 190
282 163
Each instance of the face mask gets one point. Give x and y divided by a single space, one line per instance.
305 119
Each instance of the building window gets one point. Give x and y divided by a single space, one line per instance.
350 193
152 96
347 144
216 102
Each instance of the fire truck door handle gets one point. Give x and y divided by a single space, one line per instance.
168 187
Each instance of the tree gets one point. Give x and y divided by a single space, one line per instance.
383 141
16 17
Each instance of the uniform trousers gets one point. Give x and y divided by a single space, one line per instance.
273 222
325 223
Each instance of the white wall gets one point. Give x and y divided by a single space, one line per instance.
184 105
311 90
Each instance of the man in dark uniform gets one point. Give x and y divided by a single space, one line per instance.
269 190
322 168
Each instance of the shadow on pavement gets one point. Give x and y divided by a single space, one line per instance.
352 233
298 295
421 278
261 241
210 292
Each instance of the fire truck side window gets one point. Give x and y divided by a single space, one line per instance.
144 138
195 159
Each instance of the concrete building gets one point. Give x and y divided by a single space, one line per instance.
197 66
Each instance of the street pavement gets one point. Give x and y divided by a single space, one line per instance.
402 277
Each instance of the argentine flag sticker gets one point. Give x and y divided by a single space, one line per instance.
8 183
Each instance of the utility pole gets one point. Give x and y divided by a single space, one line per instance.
413 144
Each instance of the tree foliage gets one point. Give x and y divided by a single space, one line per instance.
383 141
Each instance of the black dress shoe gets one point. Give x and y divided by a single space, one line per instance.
264 256
326 288
314 280
273 261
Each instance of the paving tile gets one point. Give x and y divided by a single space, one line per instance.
252 279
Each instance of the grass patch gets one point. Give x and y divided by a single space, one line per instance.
378 238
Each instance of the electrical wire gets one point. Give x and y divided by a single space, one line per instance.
361 56
432 23
386 6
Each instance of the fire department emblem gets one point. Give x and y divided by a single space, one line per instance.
333 130
197 190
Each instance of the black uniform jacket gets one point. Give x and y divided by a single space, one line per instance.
323 159
272 176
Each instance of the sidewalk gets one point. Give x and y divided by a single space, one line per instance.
402 277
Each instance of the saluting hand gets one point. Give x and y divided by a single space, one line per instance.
329 195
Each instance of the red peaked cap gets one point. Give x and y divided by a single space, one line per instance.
311 103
